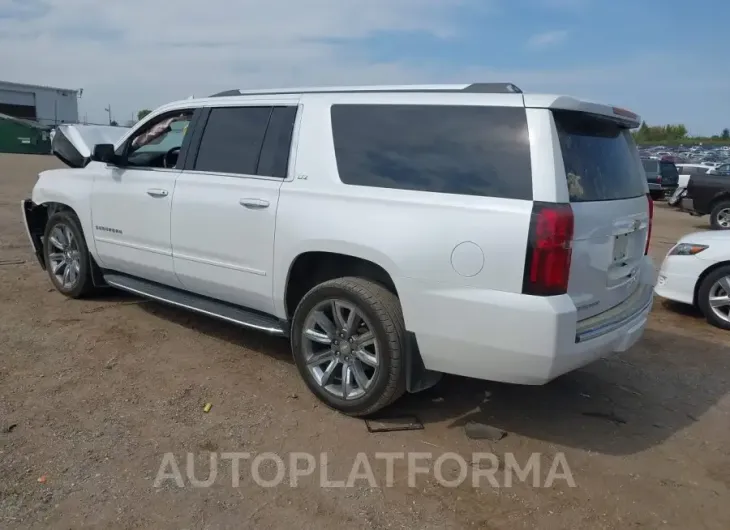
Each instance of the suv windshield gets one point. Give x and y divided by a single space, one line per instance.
600 157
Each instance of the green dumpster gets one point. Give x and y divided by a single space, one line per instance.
23 136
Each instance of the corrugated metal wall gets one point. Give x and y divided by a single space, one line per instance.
50 106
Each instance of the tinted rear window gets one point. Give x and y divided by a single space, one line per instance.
465 150
669 170
600 158
650 166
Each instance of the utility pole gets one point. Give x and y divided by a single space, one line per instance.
109 111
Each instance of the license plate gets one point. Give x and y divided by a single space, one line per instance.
620 248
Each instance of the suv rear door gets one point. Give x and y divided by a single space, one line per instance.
610 209
669 173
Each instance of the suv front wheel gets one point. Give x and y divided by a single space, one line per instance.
66 255
348 340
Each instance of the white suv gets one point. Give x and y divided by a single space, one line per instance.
392 233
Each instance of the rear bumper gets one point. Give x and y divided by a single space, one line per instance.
515 338
34 223
662 187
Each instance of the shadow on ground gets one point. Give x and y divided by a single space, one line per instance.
275 347
618 406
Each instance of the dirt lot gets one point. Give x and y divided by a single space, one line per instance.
94 393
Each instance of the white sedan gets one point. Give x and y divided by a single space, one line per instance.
697 271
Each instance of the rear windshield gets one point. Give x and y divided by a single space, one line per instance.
669 170
601 159
650 165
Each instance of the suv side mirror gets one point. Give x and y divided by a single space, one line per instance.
103 153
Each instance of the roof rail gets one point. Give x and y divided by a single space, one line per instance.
477 88
493 88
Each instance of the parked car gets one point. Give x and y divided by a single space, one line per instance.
709 194
696 271
662 177
720 169
392 234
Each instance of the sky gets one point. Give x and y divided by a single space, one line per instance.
667 60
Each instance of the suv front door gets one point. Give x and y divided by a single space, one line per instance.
131 202
224 209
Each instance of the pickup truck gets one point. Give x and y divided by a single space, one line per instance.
709 194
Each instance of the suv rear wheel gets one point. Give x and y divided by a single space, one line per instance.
348 340
66 255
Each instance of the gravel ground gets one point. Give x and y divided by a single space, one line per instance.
94 393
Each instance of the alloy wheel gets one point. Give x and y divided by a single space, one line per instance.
720 298
340 349
64 256
723 218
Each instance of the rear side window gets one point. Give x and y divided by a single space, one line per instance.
600 158
274 159
466 150
232 140
650 166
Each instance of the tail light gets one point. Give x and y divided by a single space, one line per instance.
659 179
651 221
549 249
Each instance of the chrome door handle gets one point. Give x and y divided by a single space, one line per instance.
156 192
254 204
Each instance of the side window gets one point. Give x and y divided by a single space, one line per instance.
467 150
274 159
158 144
232 140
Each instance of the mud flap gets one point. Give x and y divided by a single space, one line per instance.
418 377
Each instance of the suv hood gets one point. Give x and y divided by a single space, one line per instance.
73 144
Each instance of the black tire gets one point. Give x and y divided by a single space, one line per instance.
704 293
715 213
83 285
383 311
656 195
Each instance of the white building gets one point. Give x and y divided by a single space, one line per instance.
46 105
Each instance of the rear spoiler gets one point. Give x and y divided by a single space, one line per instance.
624 117
73 144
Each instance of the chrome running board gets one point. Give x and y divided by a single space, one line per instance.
199 304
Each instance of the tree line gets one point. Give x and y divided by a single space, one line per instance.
675 134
